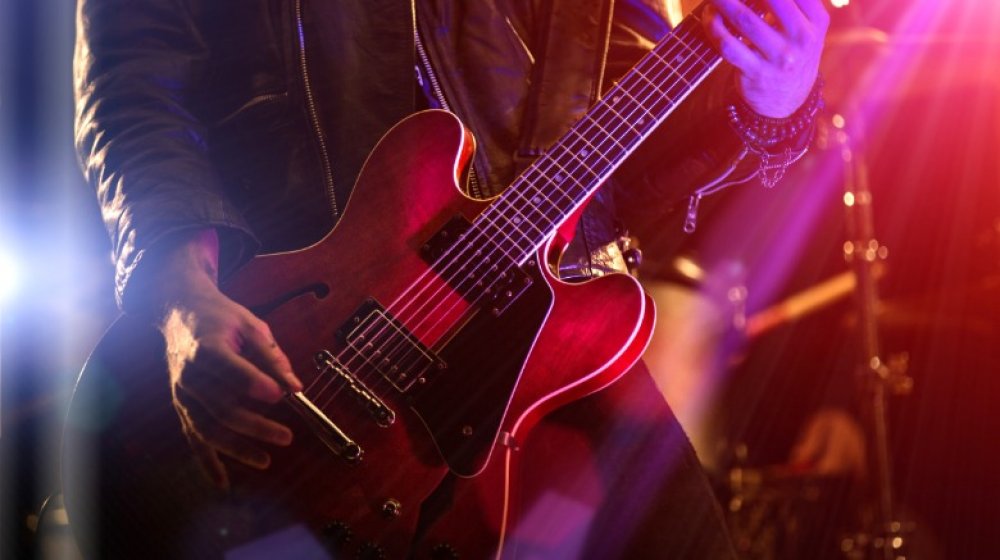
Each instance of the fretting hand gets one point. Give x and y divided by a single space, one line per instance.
777 56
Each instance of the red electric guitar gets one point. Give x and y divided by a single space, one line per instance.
431 335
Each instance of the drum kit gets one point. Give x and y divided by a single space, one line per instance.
778 512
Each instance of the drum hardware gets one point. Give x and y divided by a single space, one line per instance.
779 512
887 537
768 508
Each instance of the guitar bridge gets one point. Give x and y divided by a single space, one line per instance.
383 415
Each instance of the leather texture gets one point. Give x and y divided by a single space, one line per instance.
241 114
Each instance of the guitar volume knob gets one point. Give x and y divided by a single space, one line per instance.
371 551
444 551
392 508
338 533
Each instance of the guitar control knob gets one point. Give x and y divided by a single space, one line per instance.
392 508
337 535
371 551
444 551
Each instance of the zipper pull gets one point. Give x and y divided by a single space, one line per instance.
691 219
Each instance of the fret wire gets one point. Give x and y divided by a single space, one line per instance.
631 133
581 153
685 45
607 134
556 181
646 87
671 69
621 118
638 74
535 199
520 217
504 231
658 96
493 216
528 190
565 166
538 197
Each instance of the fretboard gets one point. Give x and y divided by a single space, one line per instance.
555 185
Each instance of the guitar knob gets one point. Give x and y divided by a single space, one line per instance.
444 551
371 551
338 533
392 508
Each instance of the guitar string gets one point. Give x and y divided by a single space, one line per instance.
676 46
555 161
595 120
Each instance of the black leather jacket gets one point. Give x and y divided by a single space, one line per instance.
254 116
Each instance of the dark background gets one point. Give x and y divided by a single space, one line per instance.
931 109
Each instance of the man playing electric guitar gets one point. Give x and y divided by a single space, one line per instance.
215 130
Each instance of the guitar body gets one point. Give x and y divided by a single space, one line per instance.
484 375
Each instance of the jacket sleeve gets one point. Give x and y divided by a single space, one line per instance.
142 148
696 147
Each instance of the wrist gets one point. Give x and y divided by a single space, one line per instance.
183 266
776 142
763 134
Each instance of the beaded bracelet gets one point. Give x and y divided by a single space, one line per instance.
762 134
764 137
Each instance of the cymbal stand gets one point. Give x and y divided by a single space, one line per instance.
878 377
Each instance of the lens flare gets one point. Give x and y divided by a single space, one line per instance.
8 277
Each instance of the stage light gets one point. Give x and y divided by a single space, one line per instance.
8 277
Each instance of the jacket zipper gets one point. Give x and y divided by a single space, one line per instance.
313 113
474 188
426 62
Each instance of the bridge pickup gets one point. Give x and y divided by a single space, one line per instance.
383 415
328 432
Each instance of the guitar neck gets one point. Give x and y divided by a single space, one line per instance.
560 181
